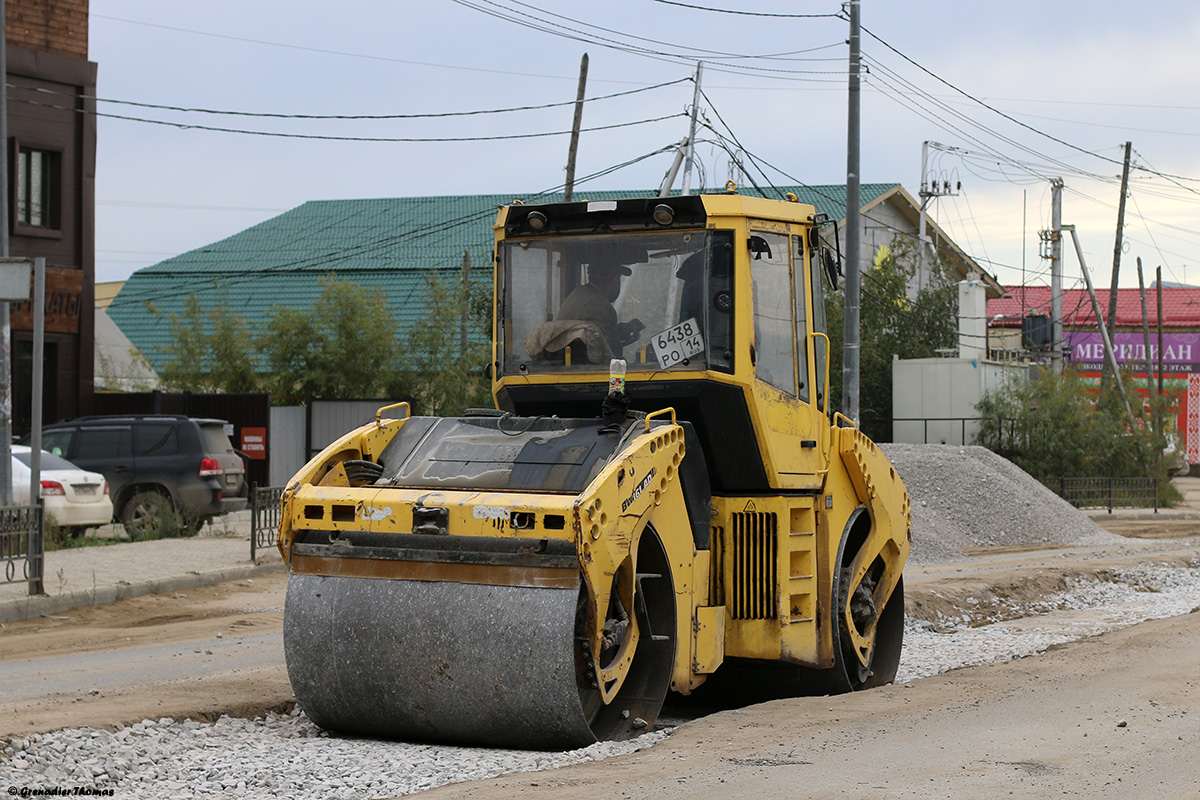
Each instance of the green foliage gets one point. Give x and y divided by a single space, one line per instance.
345 346
1062 426
209 352
891 324
446 377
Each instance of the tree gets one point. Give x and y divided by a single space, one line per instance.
345 346
446 378
891 324
209 352
1062 426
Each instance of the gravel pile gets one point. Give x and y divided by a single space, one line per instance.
277 756
964 497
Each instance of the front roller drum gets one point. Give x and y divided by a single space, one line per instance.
436 661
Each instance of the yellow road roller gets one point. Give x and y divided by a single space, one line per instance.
661 498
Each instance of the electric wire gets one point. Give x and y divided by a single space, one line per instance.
748 13
268 115
1012 119
336 138
704 52
538 23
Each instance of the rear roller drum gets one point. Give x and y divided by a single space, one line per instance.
477 663
641 695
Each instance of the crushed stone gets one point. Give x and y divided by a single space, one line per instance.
967 496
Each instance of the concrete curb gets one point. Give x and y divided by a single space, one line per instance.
38 605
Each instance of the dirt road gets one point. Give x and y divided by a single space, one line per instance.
1039 726
1113 716
211 651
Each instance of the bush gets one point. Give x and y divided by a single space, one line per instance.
1062 426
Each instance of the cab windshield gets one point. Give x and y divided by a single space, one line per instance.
661 301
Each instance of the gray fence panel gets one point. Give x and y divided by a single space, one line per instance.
287 443
331 419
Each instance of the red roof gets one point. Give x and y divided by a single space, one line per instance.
1181 306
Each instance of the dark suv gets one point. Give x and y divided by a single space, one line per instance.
156 466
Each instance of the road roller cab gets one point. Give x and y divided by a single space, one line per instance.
545 572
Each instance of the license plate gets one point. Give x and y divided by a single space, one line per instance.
85 488
675 344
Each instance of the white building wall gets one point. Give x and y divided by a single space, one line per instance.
934 399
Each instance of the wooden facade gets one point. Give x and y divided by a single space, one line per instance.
51 158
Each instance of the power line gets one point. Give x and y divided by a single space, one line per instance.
558 29
320 137
748 13
268 115
1009 117
346 54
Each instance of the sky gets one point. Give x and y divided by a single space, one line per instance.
1011 94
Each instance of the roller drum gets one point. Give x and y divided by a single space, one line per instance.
436 660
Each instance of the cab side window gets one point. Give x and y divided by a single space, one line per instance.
801 318
774 330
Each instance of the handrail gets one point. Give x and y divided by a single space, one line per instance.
838 414
669 410
379 413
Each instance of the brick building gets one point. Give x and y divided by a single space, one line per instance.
1083 346
51 152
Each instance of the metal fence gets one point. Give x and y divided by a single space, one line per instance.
264 517
22 546
1106 493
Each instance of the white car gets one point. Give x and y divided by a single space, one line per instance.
73 498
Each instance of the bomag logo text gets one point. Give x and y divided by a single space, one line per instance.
641 487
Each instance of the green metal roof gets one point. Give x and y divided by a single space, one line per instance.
390 244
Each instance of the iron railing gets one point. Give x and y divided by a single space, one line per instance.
265 504
22 546
1107 493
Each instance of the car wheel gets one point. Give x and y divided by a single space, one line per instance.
145 514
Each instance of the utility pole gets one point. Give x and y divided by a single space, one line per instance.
850 330
1053 239
669 179
1158 405
1110 354
691 147
6 493
929 190
1145 334
1116 270
569 186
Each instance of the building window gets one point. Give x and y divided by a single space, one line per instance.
37 188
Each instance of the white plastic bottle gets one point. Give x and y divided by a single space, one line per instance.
616 376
